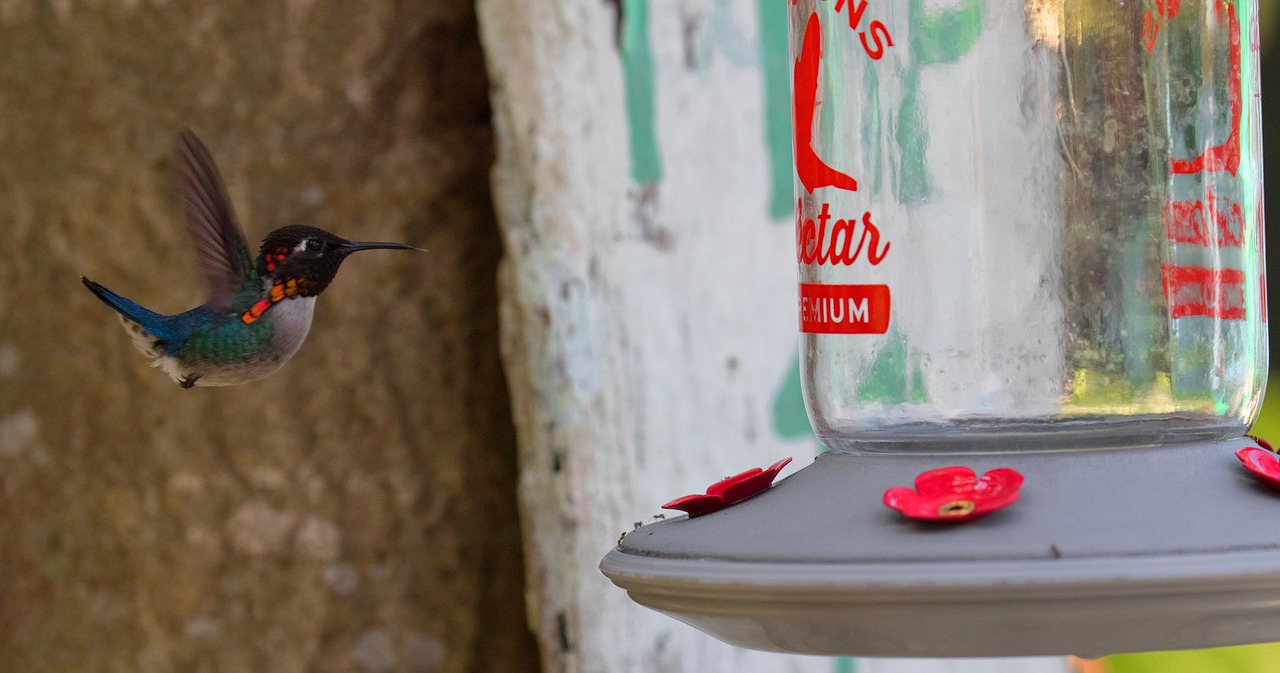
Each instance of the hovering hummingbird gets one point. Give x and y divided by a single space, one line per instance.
258 312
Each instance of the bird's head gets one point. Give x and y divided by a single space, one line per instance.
308 257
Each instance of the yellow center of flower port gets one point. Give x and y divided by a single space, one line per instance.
957 508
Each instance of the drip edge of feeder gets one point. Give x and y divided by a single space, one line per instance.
969 609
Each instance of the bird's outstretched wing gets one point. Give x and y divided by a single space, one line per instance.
220 244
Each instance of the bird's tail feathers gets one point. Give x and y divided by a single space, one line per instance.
148 320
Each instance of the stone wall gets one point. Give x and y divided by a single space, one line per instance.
647 293
355 511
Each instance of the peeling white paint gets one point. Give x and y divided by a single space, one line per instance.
18 432
203 628
374 652
258 529
319 538
424 654
10 360
343 579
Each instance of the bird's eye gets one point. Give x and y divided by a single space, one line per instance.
312 245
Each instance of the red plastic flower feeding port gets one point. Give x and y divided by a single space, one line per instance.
1262 442
1262 462
955 494
728 491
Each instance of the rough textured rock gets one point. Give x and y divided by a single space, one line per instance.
353 512
647 300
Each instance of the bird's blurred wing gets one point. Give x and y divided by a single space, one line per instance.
220 245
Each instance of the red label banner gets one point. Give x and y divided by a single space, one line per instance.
1197 291
844 309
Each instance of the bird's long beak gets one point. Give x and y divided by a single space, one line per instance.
348 248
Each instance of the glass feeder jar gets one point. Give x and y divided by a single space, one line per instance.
1024 228
1028 223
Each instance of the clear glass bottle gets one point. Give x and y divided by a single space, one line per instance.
1028 223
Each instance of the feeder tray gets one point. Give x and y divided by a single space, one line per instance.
1106 551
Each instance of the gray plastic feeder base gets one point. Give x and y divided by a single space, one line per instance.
1170 547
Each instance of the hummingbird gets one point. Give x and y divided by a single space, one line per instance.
258 311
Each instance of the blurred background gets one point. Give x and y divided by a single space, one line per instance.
355 513
395 499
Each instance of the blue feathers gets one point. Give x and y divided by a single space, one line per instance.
154 323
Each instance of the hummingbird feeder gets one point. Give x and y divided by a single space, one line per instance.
1033 337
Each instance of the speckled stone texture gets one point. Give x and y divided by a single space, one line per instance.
354 512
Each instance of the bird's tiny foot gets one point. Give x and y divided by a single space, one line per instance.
189 381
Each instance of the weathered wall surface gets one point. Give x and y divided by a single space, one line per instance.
355 512
647 295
